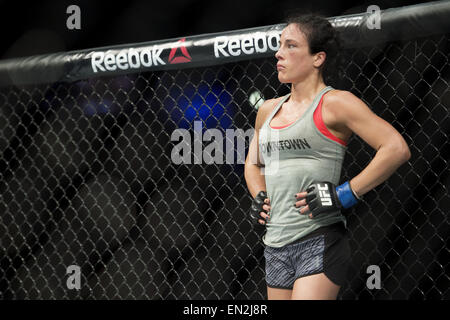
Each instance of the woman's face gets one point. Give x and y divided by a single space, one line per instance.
295 63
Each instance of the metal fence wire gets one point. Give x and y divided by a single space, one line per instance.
87 180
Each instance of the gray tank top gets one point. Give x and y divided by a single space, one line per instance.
295 157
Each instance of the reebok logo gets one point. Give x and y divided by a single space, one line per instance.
127 59
183 58
324 195
138 58
259 42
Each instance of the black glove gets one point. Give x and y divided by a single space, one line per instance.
257 206
322 197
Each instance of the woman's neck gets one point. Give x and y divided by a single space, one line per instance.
305 91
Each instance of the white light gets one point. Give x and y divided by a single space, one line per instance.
256 99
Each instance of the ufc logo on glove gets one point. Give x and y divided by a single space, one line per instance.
332 198
324 194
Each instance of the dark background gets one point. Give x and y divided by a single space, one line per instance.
87 179
39 27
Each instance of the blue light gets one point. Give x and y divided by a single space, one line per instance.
92 108
209 103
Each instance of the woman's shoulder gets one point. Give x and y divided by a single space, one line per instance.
265 109
339 96
270 104
340 107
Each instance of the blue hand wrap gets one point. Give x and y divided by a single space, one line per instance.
345 195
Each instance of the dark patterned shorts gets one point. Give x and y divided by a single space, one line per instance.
324 250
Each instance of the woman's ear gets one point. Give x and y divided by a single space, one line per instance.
319 59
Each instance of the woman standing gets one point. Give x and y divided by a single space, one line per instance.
294 165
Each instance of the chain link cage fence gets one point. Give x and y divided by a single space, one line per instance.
87 179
